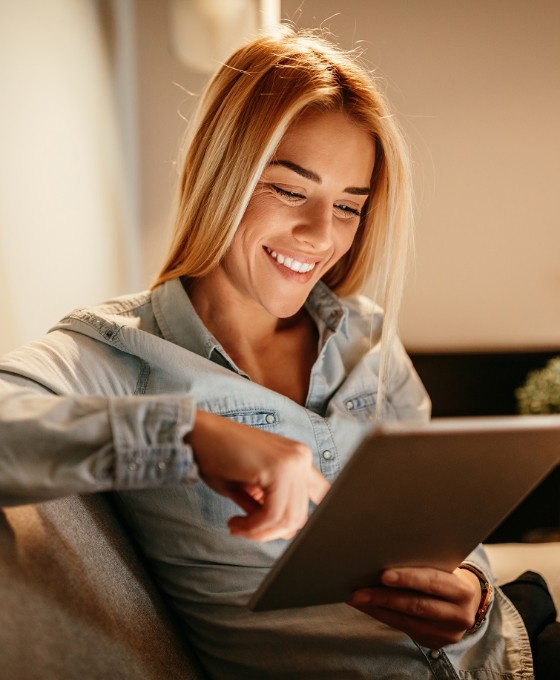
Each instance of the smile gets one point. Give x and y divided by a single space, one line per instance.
291 263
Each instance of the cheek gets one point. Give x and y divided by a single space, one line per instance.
254 222
247 239
345 240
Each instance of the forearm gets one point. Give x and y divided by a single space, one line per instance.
52 445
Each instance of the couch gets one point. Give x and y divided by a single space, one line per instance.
78 604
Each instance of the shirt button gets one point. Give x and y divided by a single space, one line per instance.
162 465
435 653
270 419
327 455
135 463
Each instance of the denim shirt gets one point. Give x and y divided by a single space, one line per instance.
102 402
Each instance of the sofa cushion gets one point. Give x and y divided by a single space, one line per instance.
77 602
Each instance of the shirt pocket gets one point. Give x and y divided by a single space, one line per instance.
361 405
264 419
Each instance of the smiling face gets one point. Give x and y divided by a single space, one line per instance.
302 216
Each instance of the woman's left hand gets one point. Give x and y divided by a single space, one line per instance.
435 608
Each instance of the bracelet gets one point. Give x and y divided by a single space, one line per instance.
485 598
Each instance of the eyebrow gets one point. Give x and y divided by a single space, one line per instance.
314 177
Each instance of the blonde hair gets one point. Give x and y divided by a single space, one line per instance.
243 114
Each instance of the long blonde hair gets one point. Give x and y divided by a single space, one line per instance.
243 114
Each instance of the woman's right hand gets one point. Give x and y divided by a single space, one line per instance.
270 477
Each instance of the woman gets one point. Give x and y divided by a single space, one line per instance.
251 353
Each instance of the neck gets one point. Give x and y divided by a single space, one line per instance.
276 353
231 319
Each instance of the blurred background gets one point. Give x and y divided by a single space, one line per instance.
95 94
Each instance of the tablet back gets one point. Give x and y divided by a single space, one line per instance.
422 495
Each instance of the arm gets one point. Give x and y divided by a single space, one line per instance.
52 446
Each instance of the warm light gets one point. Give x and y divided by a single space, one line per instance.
204 32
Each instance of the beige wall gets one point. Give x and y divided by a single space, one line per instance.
65 239
166 94
476 87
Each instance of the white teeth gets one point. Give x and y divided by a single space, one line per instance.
294 265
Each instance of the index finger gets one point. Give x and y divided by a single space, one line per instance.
282 511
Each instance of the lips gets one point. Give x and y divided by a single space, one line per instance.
291 263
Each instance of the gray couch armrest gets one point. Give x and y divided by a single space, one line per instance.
77 602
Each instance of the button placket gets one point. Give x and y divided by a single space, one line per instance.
326 448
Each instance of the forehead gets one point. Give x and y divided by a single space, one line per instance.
325 142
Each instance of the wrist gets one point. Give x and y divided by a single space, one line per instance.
201 422
486 596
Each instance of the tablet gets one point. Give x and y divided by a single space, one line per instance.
412 495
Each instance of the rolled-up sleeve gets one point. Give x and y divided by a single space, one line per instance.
52 445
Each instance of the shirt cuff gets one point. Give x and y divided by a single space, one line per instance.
479 559
148 437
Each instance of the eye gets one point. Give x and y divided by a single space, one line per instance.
290 196
347 212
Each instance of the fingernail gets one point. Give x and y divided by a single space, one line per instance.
361 598
390 576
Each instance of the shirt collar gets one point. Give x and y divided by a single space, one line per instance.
180 324
326 309
178 320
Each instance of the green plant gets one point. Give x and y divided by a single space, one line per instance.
541 391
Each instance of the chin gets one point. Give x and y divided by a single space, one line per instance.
285 311
282 302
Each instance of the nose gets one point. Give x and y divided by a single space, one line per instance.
314 228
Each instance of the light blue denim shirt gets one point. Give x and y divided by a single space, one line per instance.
103 401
